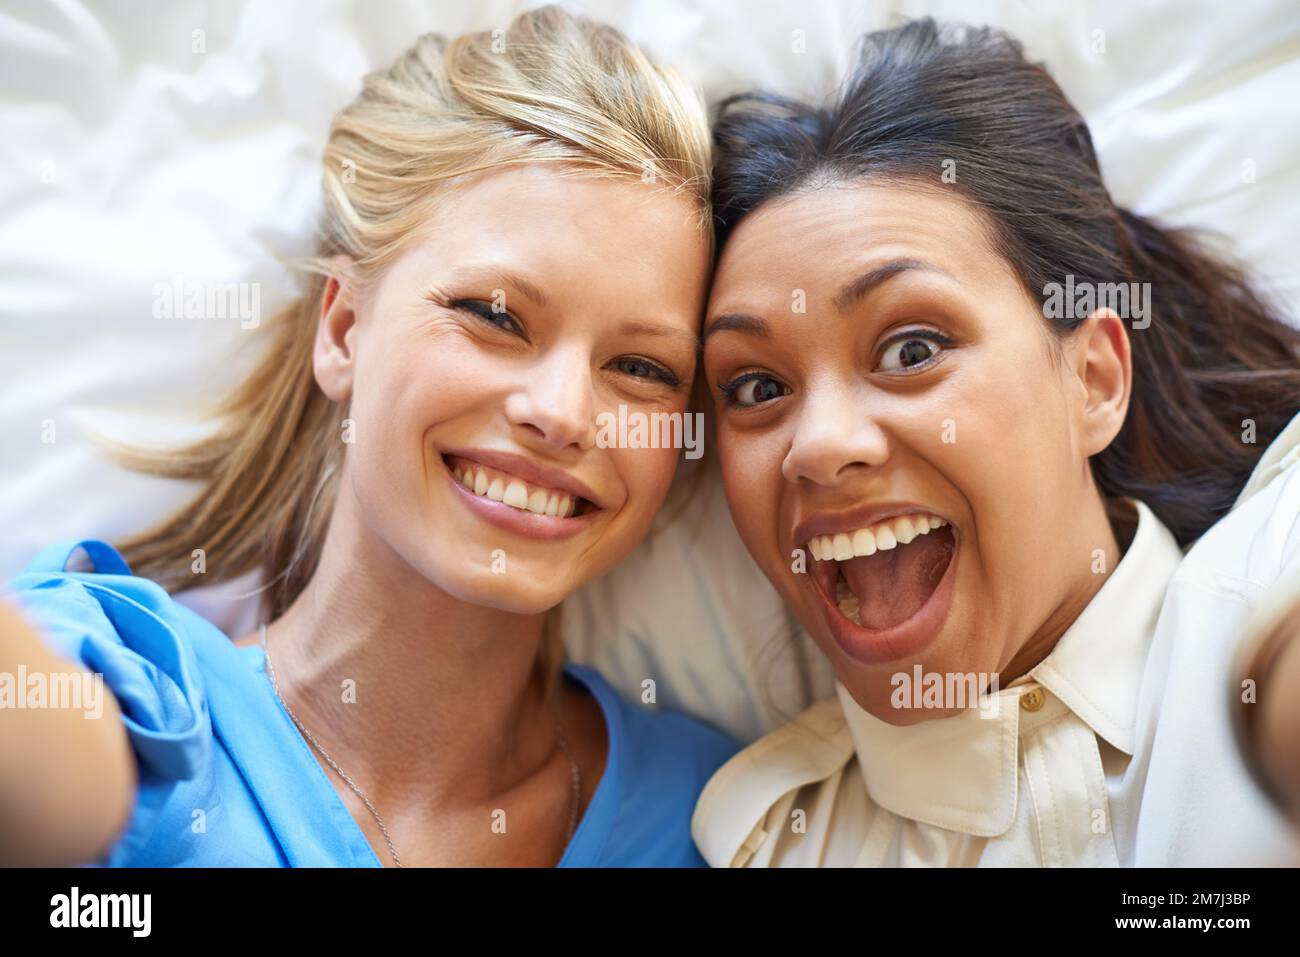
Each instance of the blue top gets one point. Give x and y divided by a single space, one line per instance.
225 778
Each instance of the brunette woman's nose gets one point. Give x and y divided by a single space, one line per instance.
832 435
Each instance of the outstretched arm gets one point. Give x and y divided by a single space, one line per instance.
67 779
1268 728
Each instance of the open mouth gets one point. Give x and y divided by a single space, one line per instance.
885 578
499 486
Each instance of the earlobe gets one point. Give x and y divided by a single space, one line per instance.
1106 373
333 353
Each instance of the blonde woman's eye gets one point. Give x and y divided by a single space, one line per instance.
912 350
640 368
491 315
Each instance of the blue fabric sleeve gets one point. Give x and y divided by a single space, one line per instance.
128 629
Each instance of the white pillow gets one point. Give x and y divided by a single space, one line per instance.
185 141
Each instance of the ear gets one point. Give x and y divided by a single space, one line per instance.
334 352
1103 364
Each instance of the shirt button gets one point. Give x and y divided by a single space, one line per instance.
1032 699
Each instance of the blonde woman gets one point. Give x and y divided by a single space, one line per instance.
516 239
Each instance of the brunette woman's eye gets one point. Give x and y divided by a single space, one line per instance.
640 368
491 315
912 350
751 389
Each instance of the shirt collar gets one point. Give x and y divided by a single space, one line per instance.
961 773
1281 452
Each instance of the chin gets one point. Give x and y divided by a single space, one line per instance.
942 683
503 593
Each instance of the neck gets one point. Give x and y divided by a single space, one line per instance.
444 703
1097 532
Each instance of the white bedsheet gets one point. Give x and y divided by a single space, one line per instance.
128 159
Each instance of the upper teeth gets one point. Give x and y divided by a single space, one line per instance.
867 541
504 487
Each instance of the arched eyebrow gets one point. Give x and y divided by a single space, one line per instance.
869 280
503 279
737 322
852 292
530 290
636 328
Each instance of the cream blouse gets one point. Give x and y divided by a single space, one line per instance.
1116 750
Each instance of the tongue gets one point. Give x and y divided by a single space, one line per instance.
893 585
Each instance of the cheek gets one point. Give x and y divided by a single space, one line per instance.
1009 462
646 474
1013 428
752 480
422 380
402 389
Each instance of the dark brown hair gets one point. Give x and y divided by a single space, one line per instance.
923 99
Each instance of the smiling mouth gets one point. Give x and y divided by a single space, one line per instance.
500 486
881 576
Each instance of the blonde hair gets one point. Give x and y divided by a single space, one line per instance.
552 88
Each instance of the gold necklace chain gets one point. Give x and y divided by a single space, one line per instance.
575 776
